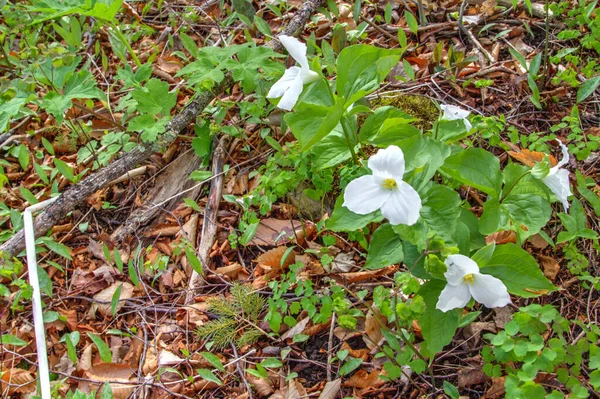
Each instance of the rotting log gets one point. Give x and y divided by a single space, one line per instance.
76 194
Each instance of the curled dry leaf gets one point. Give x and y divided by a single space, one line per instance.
530 158
231 270
273 232
169 64
538 242
363 379
331 389
357 353
355 277
118 376
297 329
167 358
550 266
342 263
501 237
104 297
262 386
271 260
373 332
21 381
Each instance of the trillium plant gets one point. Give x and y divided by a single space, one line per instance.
406 196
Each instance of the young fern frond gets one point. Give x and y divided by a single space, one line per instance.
237 317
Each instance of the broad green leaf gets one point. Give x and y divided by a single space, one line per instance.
64 169
385 248
9 339
332 150
213 360
343 219
200 175
374 122
393 130
311 123
351 364
587 88
528 213
411 21
518 56
9 109
193 260
115 300
72 339
441 210
103 349
245 8
271 363
189 44
361 68
209 376
477 168
437 327
423 157
57 247
518 270
107 392
154 98
249 233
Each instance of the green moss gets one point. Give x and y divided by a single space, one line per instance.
416 106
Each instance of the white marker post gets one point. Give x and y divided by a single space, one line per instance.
36 300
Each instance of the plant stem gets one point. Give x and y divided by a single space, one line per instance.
348 135
547 27
512 186
124 40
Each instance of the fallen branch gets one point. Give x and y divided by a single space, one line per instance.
79 192
209 225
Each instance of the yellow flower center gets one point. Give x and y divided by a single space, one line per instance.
469 279
390 184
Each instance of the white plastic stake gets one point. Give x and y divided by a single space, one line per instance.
36 301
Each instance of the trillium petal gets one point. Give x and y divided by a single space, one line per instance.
452 112
489 291
403 206
309 76
289 98
565 154
558 182
388 162
453 297
458 267
296 48
468 125
284 83
364 195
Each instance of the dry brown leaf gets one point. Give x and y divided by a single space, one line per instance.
342 263
230 270
361 276
150 362
296 390
271 260
530 158
501 237
357 353
363 379
297 329
262 386
550 266
373 329
105 297
331 389
538 241
169 65
21 381
497 389
272 232
118 374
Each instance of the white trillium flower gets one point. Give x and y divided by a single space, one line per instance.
558 179
454 113
465 281
384 189
289 87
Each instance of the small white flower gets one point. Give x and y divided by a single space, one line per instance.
558 179
453 113
385 190
289 87
465 281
